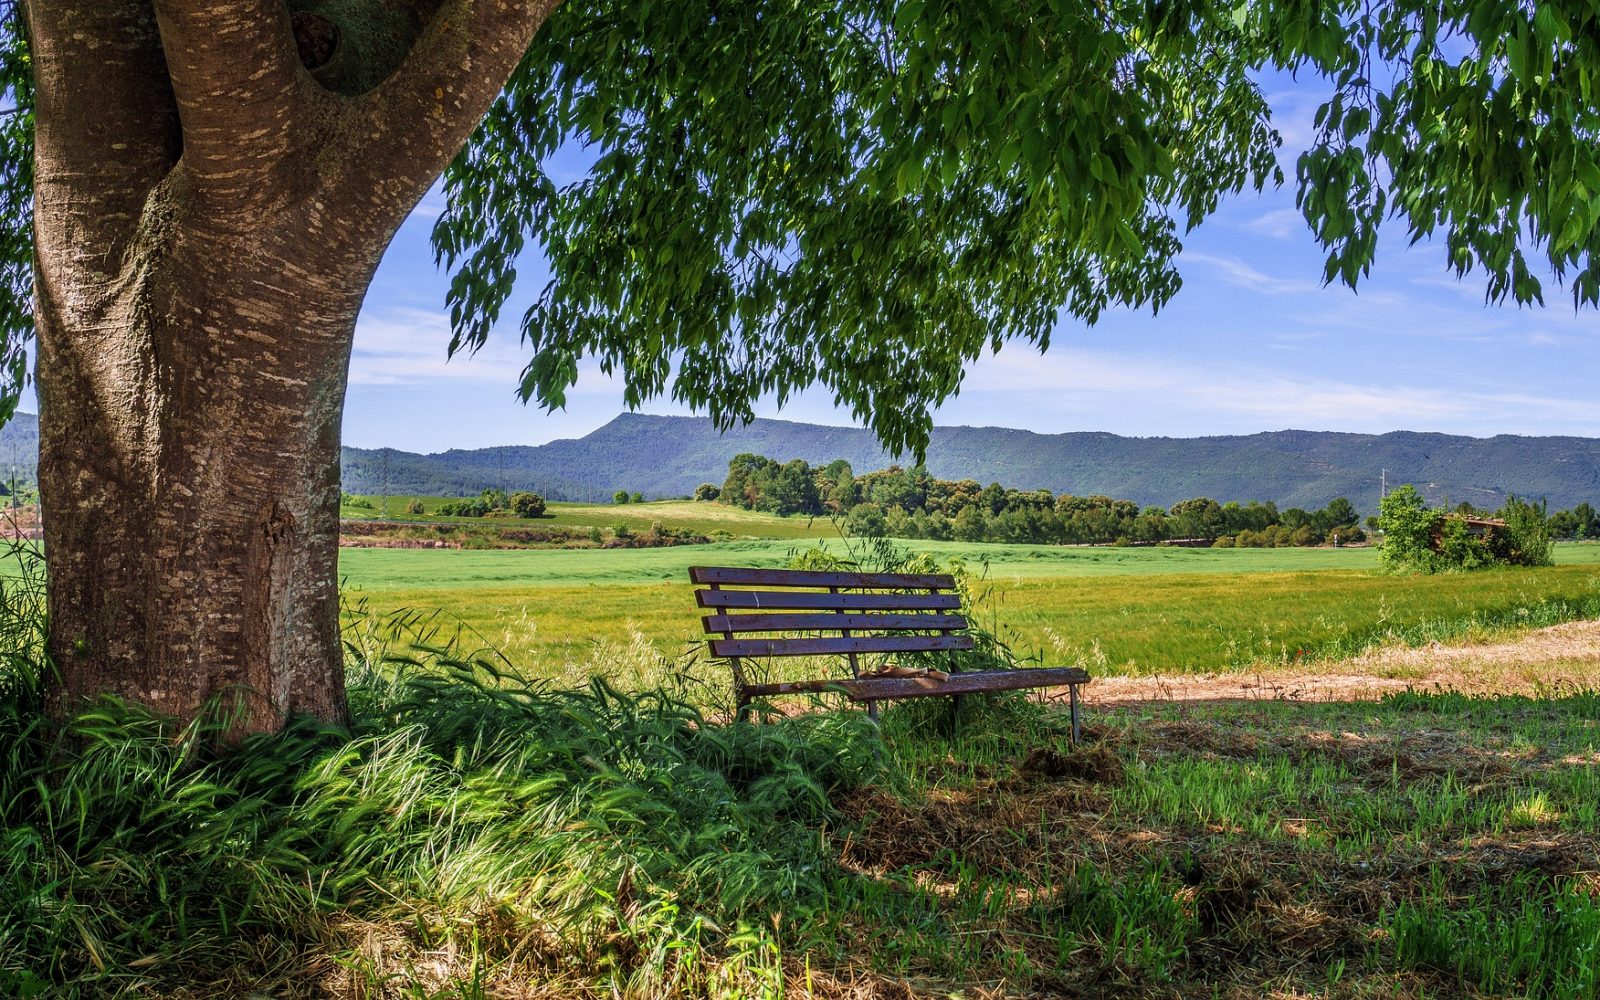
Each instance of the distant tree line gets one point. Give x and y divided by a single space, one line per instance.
911 503
1580 522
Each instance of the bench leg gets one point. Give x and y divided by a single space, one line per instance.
1077 730
872 711
955 716
743 713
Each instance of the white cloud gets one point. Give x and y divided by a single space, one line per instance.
401 346
1235 271
1279 223
1128 393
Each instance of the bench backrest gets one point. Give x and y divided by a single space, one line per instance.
842 613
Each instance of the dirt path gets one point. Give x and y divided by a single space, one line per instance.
1555 658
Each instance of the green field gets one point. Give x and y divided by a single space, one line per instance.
566 613
684 515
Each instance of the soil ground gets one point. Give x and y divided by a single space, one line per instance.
1549 659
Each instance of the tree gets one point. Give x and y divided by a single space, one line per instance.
795 489
869 195
707 492
1407 525
527 504
1527 532
1586 524
866 520
621 496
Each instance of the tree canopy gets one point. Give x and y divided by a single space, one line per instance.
871 194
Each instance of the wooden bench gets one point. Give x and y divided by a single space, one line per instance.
758 612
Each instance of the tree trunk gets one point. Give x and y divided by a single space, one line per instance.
189 465
214 186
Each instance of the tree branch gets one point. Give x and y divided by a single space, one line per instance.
240 90
403 134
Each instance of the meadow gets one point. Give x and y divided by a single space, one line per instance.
497 824
557 613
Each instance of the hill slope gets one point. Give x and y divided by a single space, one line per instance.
668 456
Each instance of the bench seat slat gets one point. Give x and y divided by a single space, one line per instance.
884 688
832 622
840 644
736 576
799 599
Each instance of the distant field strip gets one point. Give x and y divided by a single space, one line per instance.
1131 611
683 515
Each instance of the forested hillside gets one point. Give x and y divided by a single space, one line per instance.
19 448
669 456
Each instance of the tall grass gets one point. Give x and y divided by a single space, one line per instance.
478 812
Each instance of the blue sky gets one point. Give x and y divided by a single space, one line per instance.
1253 342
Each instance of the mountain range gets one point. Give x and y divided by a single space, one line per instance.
668 456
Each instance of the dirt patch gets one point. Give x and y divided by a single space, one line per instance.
1560 656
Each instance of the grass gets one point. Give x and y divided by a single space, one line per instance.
479 834
1131 611
684 515
478 837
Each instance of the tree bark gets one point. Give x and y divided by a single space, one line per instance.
208 217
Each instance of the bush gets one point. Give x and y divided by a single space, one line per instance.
621 496
1420 539
475 507
1407 525
707 492
1528 533
415 507
527 504
637 497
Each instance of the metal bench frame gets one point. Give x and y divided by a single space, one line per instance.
868 613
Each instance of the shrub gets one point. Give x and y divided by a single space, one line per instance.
621 496
707 492
1407 525
1527 531
527 504
1458 547
415 507
637 497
